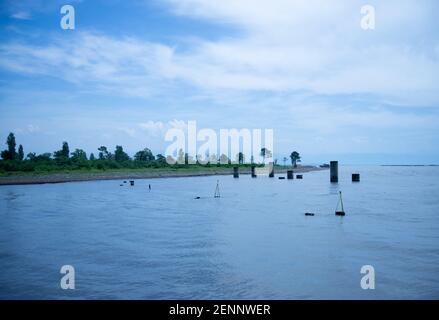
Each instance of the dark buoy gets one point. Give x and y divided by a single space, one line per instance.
340 212
132 182
197 198
309 214
121 185
355 177
281 178
124 182
299 176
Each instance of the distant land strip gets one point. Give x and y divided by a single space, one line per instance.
60 177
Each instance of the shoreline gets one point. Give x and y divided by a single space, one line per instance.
64 177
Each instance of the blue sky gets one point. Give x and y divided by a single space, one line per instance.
132 69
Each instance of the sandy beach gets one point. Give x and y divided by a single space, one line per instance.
20 178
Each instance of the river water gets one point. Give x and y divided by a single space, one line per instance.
252 243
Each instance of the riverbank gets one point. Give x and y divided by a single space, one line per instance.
60 177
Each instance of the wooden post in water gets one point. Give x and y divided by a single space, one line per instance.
333 171
254 171
290 174
271 170
235 172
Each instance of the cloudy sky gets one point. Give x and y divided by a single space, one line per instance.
133 69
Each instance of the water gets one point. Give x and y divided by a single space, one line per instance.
252 243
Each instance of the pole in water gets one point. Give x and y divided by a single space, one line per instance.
235 172
217 191
340 212
149 187
333 171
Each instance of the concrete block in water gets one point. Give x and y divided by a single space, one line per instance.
333 171
290 174
235 172
355 177
299 176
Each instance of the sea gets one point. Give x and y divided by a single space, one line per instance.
177 241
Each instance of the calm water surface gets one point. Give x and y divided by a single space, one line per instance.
252 243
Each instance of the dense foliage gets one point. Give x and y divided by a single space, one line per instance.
65 160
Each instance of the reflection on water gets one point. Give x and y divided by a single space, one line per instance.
252 243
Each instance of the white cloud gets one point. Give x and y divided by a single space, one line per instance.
21 15
315 46
153 128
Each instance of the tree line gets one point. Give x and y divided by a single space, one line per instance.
64 159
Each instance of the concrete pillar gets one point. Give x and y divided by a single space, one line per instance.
355 177
271 168
290 174
132 182
254 172
333 171
235 172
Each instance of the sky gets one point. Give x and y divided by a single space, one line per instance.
131 70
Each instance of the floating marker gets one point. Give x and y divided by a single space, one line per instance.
340 212
299 176
217 191
309 214
281 178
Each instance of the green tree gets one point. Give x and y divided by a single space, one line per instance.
20 153
64 153
265 153
104 154
240 157
144 155
79 155
161 159
10 153
31 156
120 155
295 157
223 159
92 157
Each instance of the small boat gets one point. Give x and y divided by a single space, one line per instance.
309 214
325 165
340 212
